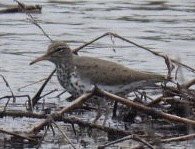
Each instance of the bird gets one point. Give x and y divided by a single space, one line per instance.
78 74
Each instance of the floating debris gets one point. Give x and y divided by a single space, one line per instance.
20 8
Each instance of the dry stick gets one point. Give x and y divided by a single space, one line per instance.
50 92
137 138
16 9
77 103
154 102
80 122
17 113
153 52
65 136
90 42
127 102
18 135
58 96
19 89
58 114
149 110
70 119
37 96
12 93
6 104
180 138
134 137
15 97
168 99
7 84
137 45
177 100
188 84
32 19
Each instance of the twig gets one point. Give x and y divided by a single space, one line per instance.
65 136
32 19
141 107
90 42
54 90
59 114
58 96
168 60
16 96
180 138
7 84
4 109
57 117
12 93
77 102
19 89
154 102
188 84
37 96
18 135
134 137
153 52
137 138
17 9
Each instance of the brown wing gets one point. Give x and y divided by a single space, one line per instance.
106 72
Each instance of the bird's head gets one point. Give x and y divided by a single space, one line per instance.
56 51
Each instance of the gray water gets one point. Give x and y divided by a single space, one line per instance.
165 26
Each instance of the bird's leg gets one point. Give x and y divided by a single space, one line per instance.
99 113
107 112
114 109
71 98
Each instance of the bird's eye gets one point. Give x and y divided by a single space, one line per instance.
59 49
56 50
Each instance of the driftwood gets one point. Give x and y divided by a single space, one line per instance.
24 8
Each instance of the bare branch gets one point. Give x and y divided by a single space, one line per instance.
32 19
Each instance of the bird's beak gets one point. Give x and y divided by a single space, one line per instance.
41 58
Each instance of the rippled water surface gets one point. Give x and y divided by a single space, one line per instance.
166 26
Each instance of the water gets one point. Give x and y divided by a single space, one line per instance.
166 26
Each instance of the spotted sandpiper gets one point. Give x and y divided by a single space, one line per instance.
78 74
